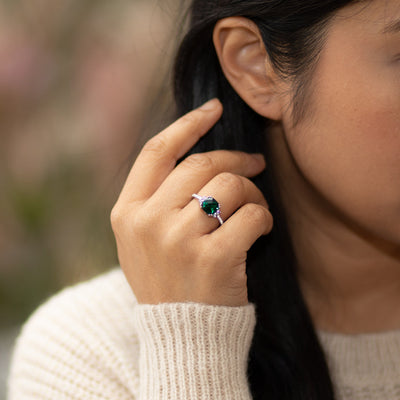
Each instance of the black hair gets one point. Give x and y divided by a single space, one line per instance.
286 359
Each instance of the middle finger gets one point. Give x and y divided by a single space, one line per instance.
196 170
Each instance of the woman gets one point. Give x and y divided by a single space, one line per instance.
291 289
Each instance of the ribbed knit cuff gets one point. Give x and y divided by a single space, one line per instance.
194 351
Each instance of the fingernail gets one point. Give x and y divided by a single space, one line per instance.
209 105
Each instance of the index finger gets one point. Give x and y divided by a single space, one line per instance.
160 154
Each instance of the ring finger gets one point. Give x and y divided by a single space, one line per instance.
230 191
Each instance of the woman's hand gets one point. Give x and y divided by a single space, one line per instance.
169 249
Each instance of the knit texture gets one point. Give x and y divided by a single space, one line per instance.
94 341
364 366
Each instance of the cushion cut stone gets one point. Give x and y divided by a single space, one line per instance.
210 205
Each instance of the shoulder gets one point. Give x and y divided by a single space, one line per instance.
80 343
101 306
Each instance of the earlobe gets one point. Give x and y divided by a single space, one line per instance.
245 63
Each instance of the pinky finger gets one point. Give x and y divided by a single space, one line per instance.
244 227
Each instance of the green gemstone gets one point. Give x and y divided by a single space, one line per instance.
210 206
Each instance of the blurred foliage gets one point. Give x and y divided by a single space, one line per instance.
75 84
59 234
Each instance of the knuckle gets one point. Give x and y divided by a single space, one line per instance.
116 217
199 161
190 118
156 145
254 213
231 181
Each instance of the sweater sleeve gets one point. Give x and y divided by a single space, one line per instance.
94 341
192 351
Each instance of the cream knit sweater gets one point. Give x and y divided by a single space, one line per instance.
94 341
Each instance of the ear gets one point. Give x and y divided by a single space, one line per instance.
246 65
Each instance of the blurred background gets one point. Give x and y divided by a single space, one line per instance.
80 82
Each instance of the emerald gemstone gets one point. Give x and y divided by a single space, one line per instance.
210 206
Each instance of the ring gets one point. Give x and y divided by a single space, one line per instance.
210 206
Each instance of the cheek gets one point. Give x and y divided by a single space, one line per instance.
350 151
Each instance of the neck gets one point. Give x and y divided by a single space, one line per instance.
350 284
350 280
